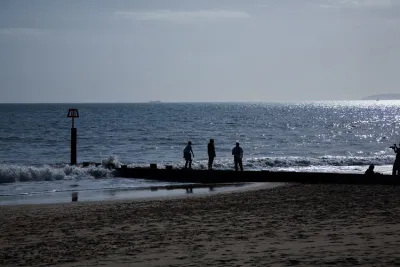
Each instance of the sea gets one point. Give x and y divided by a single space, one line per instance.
329 136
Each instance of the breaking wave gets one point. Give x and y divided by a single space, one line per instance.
320 161
17 173
265 163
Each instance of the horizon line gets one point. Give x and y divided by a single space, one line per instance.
185 102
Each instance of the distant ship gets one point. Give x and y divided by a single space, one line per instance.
155 102
383 97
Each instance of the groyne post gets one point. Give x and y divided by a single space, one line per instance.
73 113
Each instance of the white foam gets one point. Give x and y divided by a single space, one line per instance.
111 161
16 173
293 163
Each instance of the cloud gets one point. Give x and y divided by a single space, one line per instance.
21 31
358 4
183 16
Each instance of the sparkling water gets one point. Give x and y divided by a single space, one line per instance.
306 136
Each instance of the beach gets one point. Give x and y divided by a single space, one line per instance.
300 225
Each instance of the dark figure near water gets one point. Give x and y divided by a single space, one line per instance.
237 153
370 170
211 153
396 164
187 155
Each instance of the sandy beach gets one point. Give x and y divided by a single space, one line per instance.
300 225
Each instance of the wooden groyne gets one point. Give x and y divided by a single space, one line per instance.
228 176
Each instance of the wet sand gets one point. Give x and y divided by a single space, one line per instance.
302 225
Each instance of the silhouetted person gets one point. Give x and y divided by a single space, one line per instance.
370 170
187 155
396 164
237 153
211 153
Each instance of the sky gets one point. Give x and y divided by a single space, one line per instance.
197 50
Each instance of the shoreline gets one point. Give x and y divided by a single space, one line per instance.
147 193
301 225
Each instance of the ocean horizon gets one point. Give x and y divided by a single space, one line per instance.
199 102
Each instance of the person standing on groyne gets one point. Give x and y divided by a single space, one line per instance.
237 153
211 153
370 170
187 155
396 164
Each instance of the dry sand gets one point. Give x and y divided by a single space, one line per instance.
301 225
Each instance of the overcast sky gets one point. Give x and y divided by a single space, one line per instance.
194 50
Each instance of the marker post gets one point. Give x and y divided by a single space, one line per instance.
73 113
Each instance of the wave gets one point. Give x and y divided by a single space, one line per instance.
17 173
14 173
320 161
265 163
